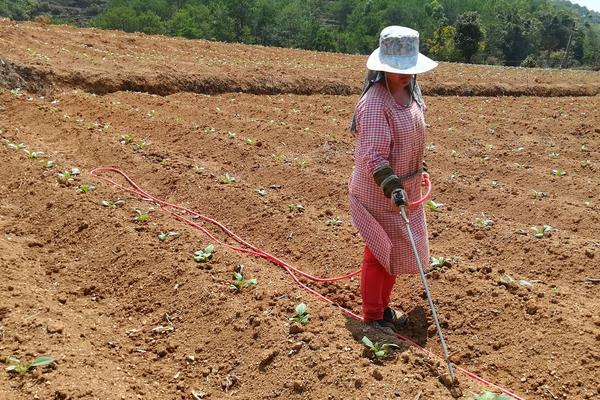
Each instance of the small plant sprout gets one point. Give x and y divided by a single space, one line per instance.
164 162
151 113
559 172
16 92
277 157
139 146
250 141
538 195
85 188
127 139
541 231
112 204
554 155
204 256
487 395
433 206
296 208
32 154
439 262
208 129
586 163
378 351
48 164
166 235
335 221
301 314
21 367
198 168
430 147
483 221
261 192
302 163
227 179
454 153
141 217
231 135
239 282
584 148
15 146
66 177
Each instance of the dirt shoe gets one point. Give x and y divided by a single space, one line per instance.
383 326
397 319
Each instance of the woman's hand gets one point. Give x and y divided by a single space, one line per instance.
399 198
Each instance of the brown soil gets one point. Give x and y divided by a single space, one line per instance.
89 286
51 57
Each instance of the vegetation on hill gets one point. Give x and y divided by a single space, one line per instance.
528 33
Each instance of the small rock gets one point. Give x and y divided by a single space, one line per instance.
532 309
55 327
62 298
267 357
377 374
590 253
358 383
298 387
296 328
162 352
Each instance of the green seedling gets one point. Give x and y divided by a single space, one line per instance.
541 231
296 208
85 188
379 351
15 146
433 206
228 179
487 395
112 204
336 221
586 163
439 262
32 154
554 155
277 157
49 164
454 153
231 135
139 146
209 130
239 282
538 195
199 169
141 217
165 235
251 142
151 113
559 172
584 148
302 163
21 367
203 256
16 92
261 192
484 221
127 139
68 176
307 129
301 314
430 147
519 165
164 162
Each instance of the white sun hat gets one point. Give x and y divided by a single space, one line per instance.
398 52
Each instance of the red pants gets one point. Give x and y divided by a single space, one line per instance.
375 287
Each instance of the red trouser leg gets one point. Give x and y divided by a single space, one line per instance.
375 287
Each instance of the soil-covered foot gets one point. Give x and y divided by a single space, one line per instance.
396 318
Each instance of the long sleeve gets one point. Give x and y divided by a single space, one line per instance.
374 137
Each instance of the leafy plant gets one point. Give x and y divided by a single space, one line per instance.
112 204
541 231
296 208
538 195
379 351
487 395
439 262
553 155
335 221
209 130
433 206
203 256
32 154
484 221
49 164
559 172
15 146
139 146
19 366
162 236
301 314
199 169
228 179
250 141
141 216
302 163
231 135
127 139
68 176
586 163
85 188
261 192
239 282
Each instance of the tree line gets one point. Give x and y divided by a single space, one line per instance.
529 33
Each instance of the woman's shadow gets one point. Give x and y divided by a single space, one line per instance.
415 330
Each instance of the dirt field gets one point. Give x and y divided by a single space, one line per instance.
129 316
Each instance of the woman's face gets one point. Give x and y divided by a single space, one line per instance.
398 80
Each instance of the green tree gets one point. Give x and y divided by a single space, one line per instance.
468 34
441 44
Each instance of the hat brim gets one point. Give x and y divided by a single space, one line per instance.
400 65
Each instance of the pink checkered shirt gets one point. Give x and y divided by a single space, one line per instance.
388 134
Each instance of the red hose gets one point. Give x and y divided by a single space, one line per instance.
172 209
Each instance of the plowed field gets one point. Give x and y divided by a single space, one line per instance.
129 316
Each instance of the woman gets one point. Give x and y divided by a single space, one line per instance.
390 141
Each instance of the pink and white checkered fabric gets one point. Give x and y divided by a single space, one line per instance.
388 134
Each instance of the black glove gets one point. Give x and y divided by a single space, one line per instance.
425 168
399 197
387 180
